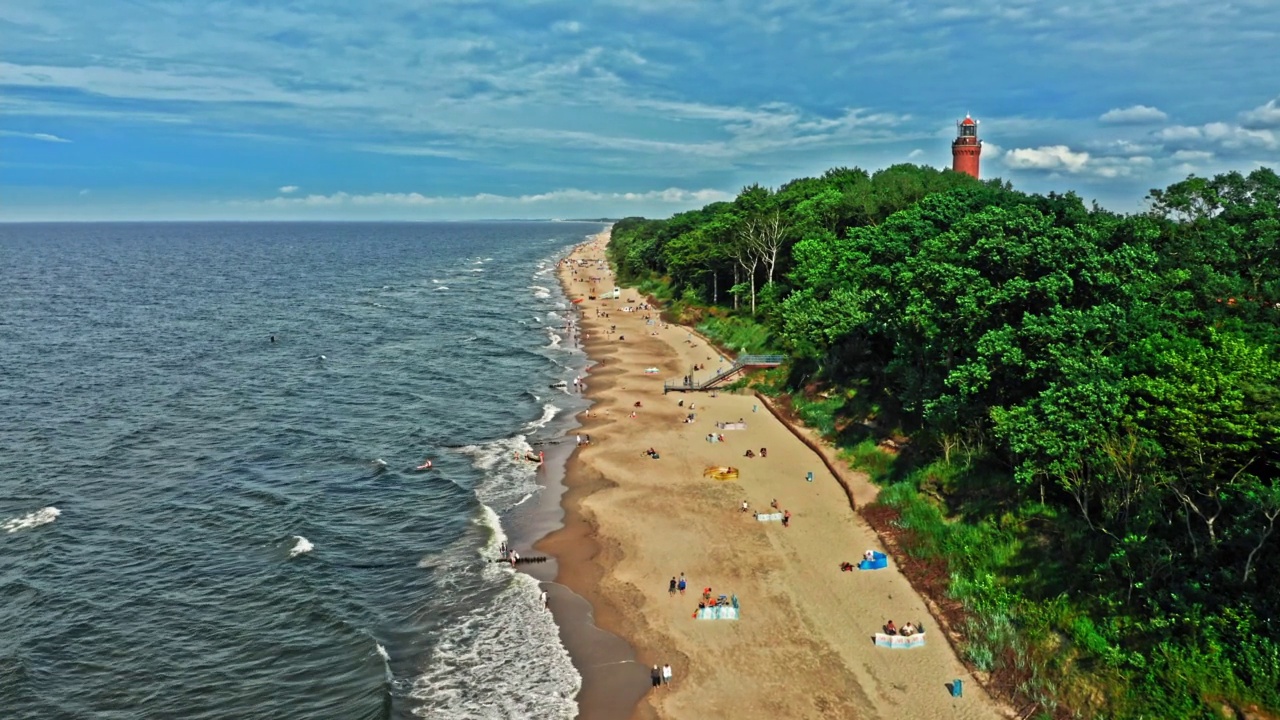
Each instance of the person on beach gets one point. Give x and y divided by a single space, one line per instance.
745 507
786 518
666 675
544 600
671 589
515 556
656 676
682 584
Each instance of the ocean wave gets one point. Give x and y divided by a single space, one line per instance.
43 516
507 476
302 545
490 520
549 411
502 659
555 340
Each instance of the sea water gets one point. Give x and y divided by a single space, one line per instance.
199 522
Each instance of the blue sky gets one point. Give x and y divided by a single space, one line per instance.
449 109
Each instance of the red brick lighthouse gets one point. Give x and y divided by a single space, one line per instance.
966 148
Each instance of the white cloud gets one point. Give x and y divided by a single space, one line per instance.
1263 116
567 27
915 154
1192 155
1117 167
413 199
42 137
1126 148
1219 134
1134 115
1060 158
1047 157
286 189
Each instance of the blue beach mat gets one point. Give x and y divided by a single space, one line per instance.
878 561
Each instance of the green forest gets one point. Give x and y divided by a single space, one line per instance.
1072 413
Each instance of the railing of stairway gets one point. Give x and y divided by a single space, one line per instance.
742 363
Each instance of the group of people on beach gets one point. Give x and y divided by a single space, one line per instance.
677 585
786 514
660 675
907 630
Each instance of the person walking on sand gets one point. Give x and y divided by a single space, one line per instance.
671 589
666 675
682 584
744 506
655 676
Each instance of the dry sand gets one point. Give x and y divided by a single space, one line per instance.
803 646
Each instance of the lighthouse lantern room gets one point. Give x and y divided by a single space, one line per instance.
967 148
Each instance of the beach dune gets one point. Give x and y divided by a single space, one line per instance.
803 644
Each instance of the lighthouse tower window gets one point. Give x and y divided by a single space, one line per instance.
968 131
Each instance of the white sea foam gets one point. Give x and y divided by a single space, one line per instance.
502 659
477 269
507 476
302 546
555 339
473 338
442 287
382 652
43 516
549 411
540 292
437 282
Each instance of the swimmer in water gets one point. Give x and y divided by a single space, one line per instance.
426 465
273 338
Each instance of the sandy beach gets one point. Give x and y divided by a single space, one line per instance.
803 645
